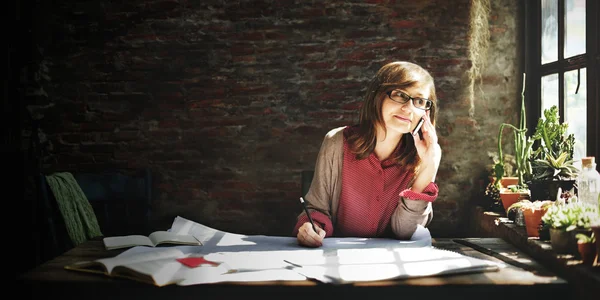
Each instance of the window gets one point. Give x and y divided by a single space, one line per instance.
560 42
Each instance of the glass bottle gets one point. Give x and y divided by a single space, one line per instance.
588 182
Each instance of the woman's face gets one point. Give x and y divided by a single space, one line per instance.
403 118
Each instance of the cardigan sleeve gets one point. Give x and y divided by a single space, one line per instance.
413 209
321 199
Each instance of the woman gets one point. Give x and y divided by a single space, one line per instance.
375 179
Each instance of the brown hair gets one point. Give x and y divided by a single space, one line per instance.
394 75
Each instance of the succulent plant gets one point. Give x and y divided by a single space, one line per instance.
539 204
554 168
492 193
511 212
552 154
522 147
584 238
571 216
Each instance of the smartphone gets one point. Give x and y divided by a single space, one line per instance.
418 129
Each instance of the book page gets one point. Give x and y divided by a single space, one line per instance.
159 272
166 237
137 257
116 242
88 266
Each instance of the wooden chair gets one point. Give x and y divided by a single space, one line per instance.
120 201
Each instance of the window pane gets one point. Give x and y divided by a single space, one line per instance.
549 31
549 91
574 27
575 109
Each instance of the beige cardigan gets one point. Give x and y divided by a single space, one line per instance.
324 192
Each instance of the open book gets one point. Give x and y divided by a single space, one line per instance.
154 239
156 266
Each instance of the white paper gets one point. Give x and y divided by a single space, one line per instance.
352 265
246 258
338 260
217 240
199 276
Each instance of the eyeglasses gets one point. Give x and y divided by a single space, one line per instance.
402 98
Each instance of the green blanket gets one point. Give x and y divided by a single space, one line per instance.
74 206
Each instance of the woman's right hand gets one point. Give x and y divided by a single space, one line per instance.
308 237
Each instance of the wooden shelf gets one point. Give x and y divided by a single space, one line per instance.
584 278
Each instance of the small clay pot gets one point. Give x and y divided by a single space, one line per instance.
533 219
587 252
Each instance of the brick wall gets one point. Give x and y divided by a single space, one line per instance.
227 101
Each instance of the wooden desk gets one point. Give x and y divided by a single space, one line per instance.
511 283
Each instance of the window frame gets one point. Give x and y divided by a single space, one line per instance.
531 48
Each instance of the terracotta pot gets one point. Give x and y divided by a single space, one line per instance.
505 181
533 219
587 252
510 198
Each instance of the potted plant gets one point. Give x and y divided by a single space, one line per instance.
562 197
586 247
492 197
565 221
509 177
515 212
551 157
533 212
522 148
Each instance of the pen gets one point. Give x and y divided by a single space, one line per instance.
293 264
307 214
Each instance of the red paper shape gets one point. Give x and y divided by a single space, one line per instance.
193 262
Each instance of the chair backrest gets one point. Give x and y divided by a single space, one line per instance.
121 202
306 178
53 238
